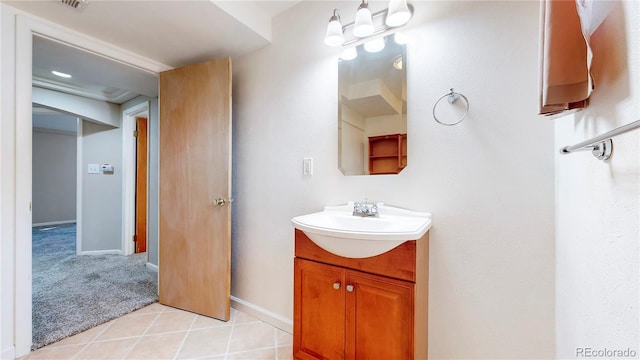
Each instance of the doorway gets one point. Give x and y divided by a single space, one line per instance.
140 238
137 180
25 29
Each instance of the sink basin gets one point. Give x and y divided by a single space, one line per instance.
338 231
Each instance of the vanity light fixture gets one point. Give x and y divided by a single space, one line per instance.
61 74
367 24
335 34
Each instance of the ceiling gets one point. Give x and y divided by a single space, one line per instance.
174 33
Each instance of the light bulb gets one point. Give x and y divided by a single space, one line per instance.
400 38
363 25
349 54
375 45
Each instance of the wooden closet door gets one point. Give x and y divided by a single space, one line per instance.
195 170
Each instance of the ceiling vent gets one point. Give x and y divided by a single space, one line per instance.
76 4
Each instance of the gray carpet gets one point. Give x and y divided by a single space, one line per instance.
74 293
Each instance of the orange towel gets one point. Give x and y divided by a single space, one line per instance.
564 68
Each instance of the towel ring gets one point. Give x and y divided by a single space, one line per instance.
452 97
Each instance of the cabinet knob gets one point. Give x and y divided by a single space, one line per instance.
336 285
349 288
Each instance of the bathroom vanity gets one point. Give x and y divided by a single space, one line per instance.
360 308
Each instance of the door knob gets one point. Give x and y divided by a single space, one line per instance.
336 285
222 202
349 288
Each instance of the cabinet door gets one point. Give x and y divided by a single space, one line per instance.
319 329
379 323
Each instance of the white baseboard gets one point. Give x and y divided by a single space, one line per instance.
9 353
55 223
153 267
263 314
101 252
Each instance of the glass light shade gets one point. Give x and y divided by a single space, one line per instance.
375 45
349 54
398 13
334 36
364 23
400 38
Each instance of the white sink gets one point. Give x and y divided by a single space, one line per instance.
338 231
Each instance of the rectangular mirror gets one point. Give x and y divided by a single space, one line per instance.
372 109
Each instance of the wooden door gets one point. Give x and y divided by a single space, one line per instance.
318 324
195 170
141 185
379 317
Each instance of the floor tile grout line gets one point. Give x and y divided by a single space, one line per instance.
226 352
275 340
93 339
250 350
137 336
186 335
141 335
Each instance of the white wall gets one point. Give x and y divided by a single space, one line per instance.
101 193
7 183
94 110
489 181
598 216
54 176
352 142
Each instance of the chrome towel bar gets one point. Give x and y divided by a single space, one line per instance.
601 146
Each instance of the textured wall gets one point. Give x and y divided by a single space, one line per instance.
489 181
598 216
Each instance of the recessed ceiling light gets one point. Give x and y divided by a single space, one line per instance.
61 74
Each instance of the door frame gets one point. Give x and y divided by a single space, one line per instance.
26 27
129 177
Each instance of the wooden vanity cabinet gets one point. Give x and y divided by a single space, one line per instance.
370 308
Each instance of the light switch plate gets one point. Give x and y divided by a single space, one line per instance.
307 166
93 169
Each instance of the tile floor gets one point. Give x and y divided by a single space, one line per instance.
162 332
